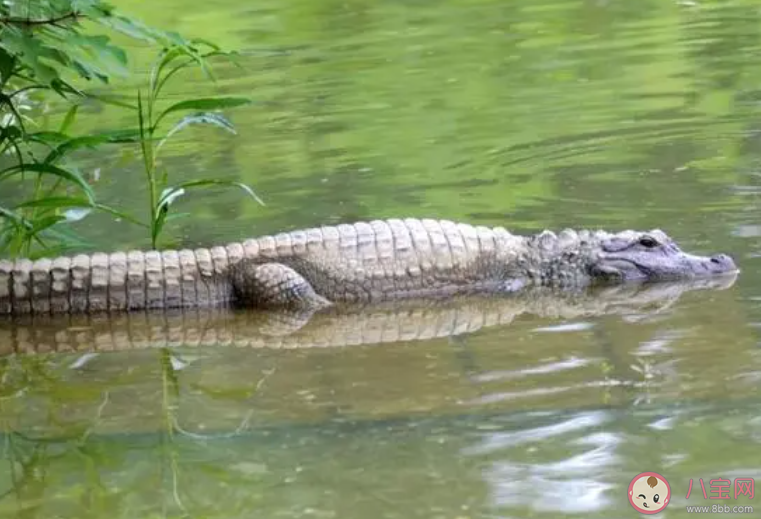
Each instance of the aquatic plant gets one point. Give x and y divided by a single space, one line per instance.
47 52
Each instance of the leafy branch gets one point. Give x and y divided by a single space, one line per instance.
171 61
5 20
34 64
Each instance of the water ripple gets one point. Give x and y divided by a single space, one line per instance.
491 442
574 484
549 367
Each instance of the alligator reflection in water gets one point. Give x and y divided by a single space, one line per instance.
281 431
339 326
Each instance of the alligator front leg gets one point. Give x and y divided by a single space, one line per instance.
273 285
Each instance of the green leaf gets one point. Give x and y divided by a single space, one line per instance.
208 182
96 52
45 222
6 66
157 82
76 213
202 41
146 146
47 138
136 29
121 136
160 82
91 8
89 55
30 52
12 132
49 169
56 202
68 120
165 58
132 28
15 218
215 103
171 194
168 196
120 214
158 223
69 238
177 216
212 118
62 88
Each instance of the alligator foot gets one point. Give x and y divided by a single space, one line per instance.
282 323
273 285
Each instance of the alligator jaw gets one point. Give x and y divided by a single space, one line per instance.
624 270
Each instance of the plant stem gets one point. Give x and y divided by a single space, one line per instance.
49 21
146 145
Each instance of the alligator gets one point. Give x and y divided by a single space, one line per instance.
337 326
347 263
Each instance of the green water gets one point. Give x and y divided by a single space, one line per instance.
528 114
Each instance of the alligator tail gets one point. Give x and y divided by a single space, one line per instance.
118 281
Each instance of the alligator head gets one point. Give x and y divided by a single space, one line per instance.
652 256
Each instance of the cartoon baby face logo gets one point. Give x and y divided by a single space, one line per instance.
649 492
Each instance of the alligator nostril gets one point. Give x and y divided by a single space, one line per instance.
720 259
721 262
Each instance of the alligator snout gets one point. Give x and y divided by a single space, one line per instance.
720 263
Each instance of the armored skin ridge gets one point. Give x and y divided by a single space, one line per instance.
347 263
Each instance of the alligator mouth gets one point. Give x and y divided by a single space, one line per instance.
620 269
628 269
688 267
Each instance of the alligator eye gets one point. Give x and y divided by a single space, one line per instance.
647 241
